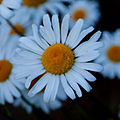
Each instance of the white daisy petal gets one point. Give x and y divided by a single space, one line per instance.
73 84
41 83
7 95
81 81
37 37
31 44
82 35
13 90
67 88
55 88
74 33
87 75
88 57
56 27
47 25
65 28
32 77
95 37
46 35
90 66
2 98
5 12
49 89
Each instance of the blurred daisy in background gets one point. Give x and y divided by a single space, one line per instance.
8 84
58 56
21 23
7 7
84 9
110 57
37 8
38 102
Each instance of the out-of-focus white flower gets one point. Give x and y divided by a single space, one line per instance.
8 84
58 56
38 102
110 57
7 7
21 22
84 9
37 8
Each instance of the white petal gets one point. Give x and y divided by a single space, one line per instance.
41 83
65 28
49 89
82 35
67 88
5 12
90 66
55 88
32 77
7 95
2 99
73 84
81 81
13 90
37 37
56 27
74 33
46 35
87 75
47 25
95 37
88 57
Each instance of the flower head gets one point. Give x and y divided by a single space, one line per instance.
87 10
8 84
110 57
60 56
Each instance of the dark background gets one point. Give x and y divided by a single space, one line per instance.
102 103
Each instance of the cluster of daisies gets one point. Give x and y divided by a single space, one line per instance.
43 56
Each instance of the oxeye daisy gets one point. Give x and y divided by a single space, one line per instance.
58 56
37 8
84 9
20 26
110 57
7 7
8 85
38 102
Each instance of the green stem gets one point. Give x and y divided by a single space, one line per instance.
7 113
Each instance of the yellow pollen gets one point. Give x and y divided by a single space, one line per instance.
5 70
113 54
58 59
78 14
18 28
0 1
33 3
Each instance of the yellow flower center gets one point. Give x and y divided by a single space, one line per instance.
78 14
33 3
5 70
58 59
17 28
0 1
113 54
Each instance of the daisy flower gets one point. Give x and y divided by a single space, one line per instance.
58 56
84 9
37 8
38 102
8 85
21 26
110 57
7 6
